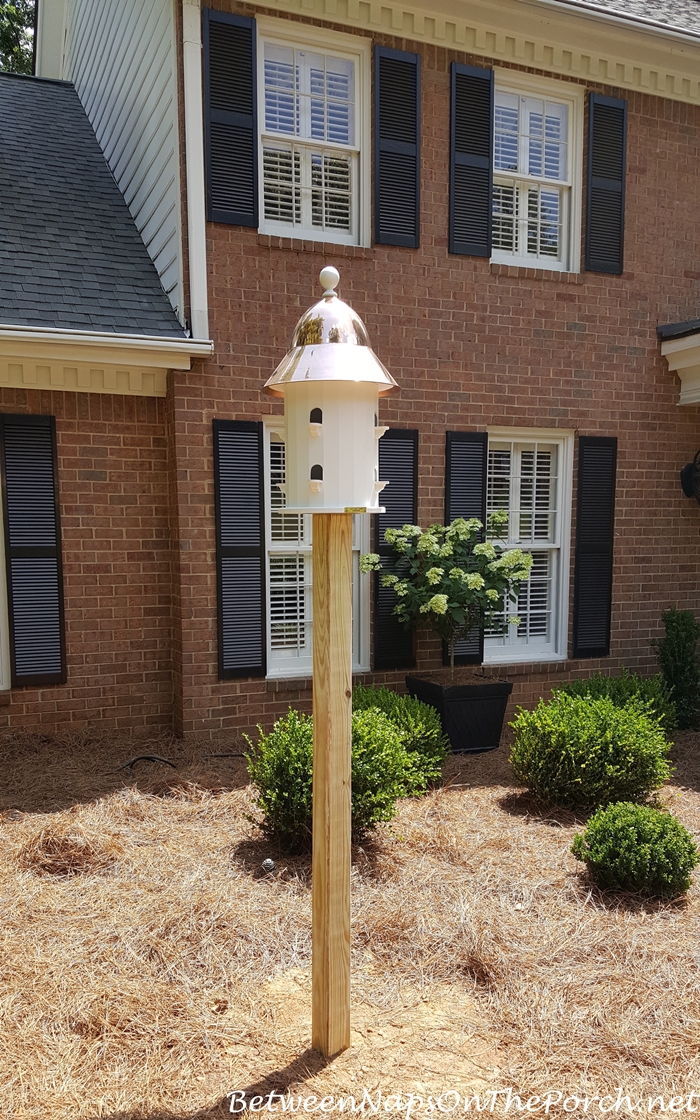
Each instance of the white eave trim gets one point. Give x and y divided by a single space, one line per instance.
683 357
146 351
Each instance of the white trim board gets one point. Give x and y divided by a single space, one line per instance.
573 42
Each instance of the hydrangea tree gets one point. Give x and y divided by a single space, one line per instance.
451 579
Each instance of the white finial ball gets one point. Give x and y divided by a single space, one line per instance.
329 278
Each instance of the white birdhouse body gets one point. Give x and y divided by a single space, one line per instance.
331 381
331 450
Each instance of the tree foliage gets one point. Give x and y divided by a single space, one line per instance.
450 578
16 36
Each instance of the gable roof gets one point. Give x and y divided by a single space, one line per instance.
677 15
70 254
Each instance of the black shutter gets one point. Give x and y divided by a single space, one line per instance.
33 550
597 457
396 147
605 205
240 552
471 160
398 464
466 461
230 117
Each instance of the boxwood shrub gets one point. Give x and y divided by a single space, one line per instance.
636 848
419 726
281 765
585 751
652 691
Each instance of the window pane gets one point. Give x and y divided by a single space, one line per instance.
309 95
282 185
505 217
534 599
536 495
543 222
330 196
506 132
281 83
288 621
498 483
544 138
287 527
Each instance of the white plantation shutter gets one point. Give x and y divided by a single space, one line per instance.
524 480
531 191
289 596
309 155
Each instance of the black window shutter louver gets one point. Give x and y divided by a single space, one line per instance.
33 550
605 204
240 553
396 147
398 464
597 457
471 161
230 118
465 496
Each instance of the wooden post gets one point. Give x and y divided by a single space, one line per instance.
332 699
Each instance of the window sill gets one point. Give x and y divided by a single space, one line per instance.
563 667
301 245
518 271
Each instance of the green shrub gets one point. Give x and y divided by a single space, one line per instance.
419 725
678 660
580 750
652 691
281 767
636 848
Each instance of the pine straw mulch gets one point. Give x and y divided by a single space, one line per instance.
147 967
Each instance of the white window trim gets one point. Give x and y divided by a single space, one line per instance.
285 669
512 81
564 439
359 49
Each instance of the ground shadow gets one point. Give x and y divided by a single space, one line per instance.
292 1076
45 773
685 758
587 891
523 803
369 856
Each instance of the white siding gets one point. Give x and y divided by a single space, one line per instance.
121 57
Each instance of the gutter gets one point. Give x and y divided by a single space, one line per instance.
155 351
640 23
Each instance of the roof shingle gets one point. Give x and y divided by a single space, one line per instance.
70 253
678 15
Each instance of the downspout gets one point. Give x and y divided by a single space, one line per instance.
194 167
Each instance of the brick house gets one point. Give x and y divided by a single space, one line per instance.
510 193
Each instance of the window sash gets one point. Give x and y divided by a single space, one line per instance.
320 125
532 225
307 188
525 478
534 204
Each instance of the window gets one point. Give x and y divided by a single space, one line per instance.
313 119
529 476
289 574
537 174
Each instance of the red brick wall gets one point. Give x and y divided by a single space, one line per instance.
472 345
116 562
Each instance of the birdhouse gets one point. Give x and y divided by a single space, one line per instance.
331 381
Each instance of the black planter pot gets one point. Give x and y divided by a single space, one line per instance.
472 714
